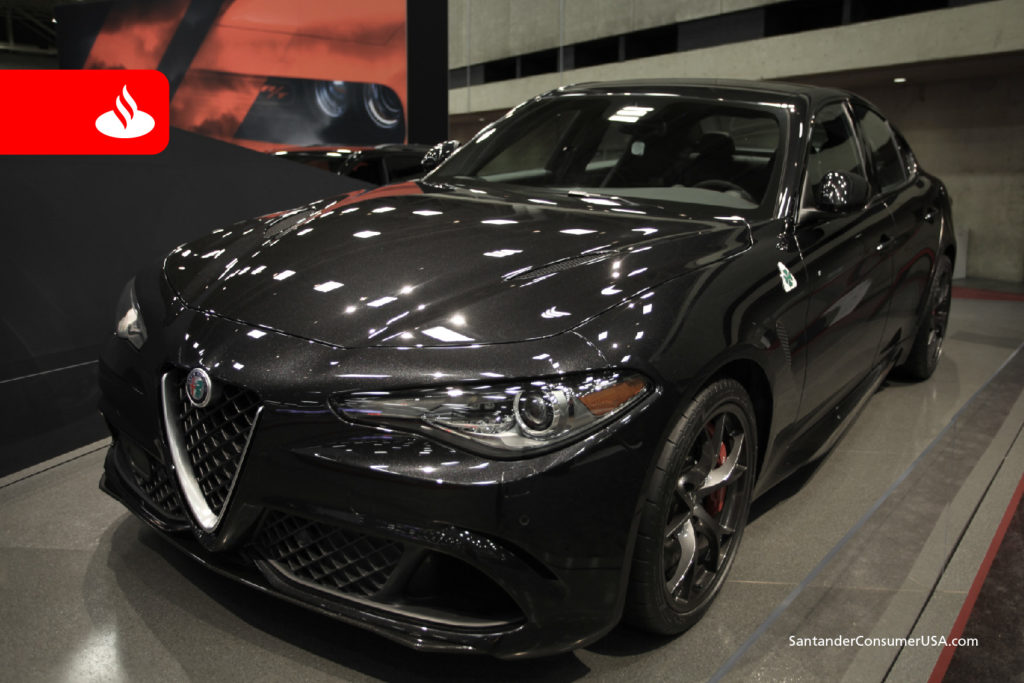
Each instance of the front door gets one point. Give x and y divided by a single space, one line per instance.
849 270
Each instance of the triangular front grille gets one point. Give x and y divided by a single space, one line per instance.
216 437
208 443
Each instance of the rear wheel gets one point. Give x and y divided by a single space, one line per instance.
695 511
924 355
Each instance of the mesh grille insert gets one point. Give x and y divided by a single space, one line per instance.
154 479
216 437
160 491
337 560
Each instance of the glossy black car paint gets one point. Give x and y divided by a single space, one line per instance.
680 296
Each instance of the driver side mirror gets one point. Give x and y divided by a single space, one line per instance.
840 191
438 153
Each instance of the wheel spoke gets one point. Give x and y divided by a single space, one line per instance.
716 481
719 436
710 447
714 532
727 472
679 526
706 462
940 311
940 318
688 483
687 540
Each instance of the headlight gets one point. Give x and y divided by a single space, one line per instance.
504 420
129 323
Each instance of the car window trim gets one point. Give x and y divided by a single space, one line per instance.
858 146
903 147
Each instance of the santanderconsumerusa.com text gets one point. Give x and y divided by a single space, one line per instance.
871 641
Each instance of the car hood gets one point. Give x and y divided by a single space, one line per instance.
421 265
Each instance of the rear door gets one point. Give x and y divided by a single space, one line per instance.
913 201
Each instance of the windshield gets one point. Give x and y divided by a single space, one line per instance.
659 148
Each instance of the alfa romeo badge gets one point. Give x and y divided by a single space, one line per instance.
198 388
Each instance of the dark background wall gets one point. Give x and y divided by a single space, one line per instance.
74 230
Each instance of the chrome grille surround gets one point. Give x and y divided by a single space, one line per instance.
208 444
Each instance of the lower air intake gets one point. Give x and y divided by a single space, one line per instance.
327 557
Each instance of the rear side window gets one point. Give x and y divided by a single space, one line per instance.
833 146
886 164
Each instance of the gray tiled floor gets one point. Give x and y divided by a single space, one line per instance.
89 593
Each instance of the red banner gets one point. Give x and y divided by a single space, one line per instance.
92 111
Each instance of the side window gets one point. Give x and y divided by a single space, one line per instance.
886 163
833 146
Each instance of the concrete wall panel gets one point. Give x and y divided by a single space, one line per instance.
650 13
590 19
515 27
985 28
531 25
971 134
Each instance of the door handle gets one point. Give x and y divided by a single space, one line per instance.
883 241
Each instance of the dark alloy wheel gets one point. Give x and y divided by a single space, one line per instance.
695 512
924 355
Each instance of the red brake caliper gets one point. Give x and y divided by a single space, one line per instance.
716 499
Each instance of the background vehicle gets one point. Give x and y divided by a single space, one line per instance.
378 165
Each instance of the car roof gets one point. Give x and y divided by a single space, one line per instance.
711 86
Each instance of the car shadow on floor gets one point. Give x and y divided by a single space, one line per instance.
795 482
787 488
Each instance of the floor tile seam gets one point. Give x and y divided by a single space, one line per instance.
1003 463
46 548
735 657
937 615
49 371
926 572
761 583
871 589
952 443
100 445
988 343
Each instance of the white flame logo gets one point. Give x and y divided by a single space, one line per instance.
125 122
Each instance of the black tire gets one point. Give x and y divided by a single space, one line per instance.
695 511
924 354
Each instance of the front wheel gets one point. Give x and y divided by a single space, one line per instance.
695 511
924 355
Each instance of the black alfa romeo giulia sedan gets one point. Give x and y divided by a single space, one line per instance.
534 393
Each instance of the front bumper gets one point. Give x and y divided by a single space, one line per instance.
432 547
242 567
